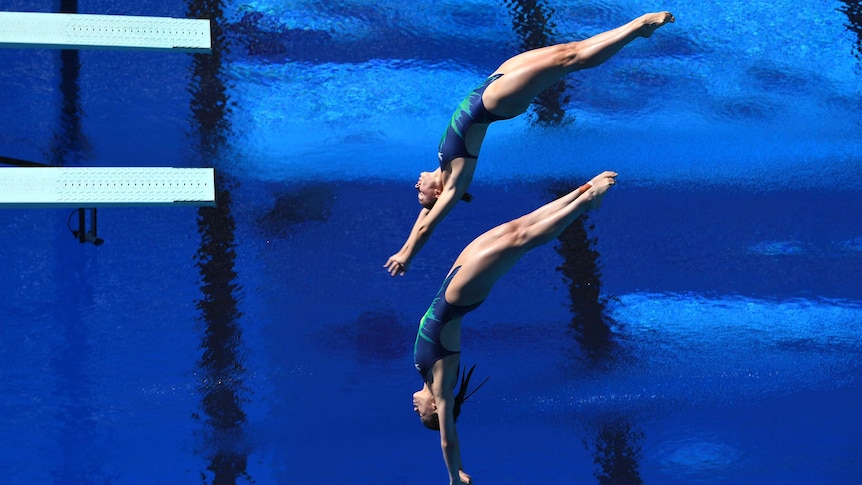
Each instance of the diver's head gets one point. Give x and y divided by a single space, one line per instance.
430 186
425 406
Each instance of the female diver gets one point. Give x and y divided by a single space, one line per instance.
437 349
507 93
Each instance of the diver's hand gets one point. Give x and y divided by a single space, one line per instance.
396 265
465 478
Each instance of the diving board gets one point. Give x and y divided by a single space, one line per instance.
85 31
36 187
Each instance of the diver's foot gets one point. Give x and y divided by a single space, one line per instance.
652 21
599 186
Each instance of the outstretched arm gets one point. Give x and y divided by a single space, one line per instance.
397 264
427 220
424 226
449 439
449 443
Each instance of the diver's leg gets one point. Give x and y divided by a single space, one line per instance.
530 73
492 254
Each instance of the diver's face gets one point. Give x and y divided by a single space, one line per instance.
428 189
423 403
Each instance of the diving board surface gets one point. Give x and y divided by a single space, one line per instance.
85 31
105 186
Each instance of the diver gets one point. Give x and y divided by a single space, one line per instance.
506 94
437 349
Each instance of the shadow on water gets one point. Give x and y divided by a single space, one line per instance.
375 336
306 202
221 364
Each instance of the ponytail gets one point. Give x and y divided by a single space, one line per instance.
463 395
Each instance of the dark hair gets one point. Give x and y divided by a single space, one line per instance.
462 391
433 420
467 197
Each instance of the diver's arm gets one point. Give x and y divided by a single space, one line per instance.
397 263
449 443
427 220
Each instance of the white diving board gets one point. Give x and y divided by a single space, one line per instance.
35 187
84 31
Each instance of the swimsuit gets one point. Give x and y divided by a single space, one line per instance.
427 350
471 111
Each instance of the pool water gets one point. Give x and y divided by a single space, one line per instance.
702 327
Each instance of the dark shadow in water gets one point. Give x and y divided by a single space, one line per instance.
375 336
210 106
783 79
222 388
69 145
580 268
309 202
853 10
616 452
17 162
755 108
532 22
221 364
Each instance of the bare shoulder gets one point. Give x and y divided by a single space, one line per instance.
445 376
459 171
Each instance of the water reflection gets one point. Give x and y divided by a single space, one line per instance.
221 364
580 268
383 36
532 23
209 103
69 144
853 10
617 452
77 434
77 438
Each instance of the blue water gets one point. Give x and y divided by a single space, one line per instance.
261 341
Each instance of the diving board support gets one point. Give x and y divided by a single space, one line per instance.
86 31
82 234
76 187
